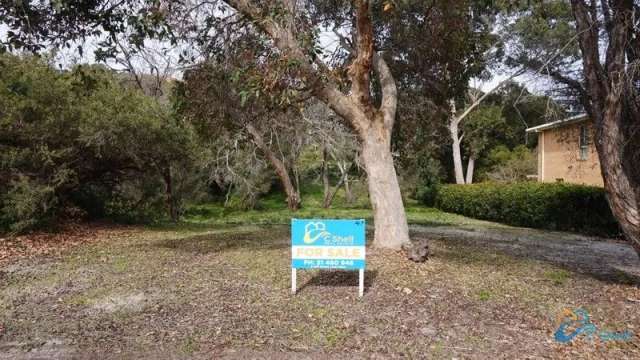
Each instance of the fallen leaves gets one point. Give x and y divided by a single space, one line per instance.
70 235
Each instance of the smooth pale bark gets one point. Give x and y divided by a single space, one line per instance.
456 153
456 141
470 169
454 127
457 157
293 199
391 229
347 189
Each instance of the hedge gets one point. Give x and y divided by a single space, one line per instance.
553 206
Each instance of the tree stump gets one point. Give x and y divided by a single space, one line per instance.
417 250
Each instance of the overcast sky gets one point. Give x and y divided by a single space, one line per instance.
68 57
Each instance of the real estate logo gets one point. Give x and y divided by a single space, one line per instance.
314 231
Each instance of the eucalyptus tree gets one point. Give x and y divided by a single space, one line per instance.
594 48
293 31
439 47
609 38
481 128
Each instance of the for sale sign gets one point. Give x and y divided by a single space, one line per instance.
327 244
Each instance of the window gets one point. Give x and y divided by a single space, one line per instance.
584 142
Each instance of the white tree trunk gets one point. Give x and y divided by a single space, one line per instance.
470 168
347 190
391 229
457 154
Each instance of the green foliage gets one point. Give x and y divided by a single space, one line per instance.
552 206
540 37
511 165
521 110
430 179
81 139
481 127
28 204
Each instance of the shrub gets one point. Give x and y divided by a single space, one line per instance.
80 142
430 173
511 165
27 205
552 206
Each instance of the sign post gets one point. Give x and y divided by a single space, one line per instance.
328 244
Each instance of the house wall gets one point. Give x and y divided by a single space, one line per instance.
559 156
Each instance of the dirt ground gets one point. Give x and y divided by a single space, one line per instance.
223 292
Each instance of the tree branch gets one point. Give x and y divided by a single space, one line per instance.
284 39
360 69
389 102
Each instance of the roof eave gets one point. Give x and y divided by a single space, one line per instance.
558 123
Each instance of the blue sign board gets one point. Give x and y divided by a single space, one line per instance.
328 244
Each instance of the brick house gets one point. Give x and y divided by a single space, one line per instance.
566 152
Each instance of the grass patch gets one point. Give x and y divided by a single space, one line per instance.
190 345
484 295
203 216
558 276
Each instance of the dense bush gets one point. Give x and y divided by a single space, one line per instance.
80 143
430 174
556 206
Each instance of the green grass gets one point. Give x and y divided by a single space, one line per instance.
558 276
484 295
272 210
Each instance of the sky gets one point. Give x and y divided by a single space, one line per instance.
68 57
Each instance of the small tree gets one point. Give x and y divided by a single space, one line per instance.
214 101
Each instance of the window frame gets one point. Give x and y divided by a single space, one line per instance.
583 143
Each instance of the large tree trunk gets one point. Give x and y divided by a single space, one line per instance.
471 166
391 229
622 192
613 105
293 199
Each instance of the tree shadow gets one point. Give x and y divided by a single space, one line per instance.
268 238
602 260
340 278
